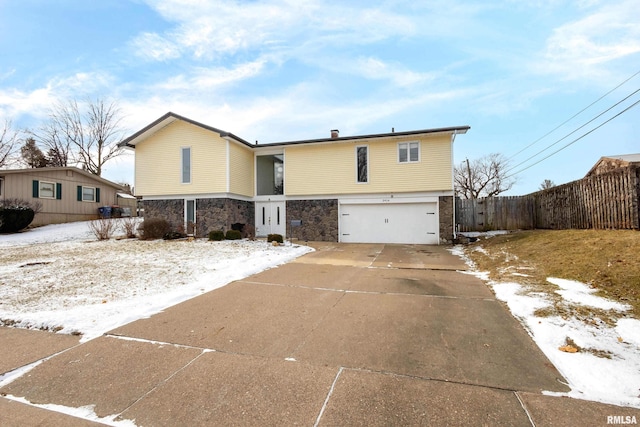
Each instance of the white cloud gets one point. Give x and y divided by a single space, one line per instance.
374 68
36 103
586 48
152 46
201 78
214 28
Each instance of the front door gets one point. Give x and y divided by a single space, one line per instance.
270 218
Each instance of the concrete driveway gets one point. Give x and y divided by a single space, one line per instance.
347 335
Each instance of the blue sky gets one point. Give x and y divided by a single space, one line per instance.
279 70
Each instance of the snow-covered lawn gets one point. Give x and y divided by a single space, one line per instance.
606 367
60 278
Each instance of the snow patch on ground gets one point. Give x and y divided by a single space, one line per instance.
84 412
607 367
62 279
579 293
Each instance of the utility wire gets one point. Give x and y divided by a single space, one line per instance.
574 131
576 140
572 117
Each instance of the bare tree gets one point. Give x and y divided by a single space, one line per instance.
32 155
547 184
8 143
483 177
88 136
53 136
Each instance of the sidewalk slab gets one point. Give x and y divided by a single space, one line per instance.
462 340
351 254
441 283
265 320
419 256
552 411
382 280
22 347
106 372
375 399
320 276
14 413
230 389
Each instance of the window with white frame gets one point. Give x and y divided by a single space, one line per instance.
186 165
47 190
362 164
88 194
408 152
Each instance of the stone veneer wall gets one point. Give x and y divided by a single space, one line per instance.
445 213
319 219
171 210
211 214
219 214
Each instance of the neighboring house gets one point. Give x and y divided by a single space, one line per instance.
388 188
63 194
610 163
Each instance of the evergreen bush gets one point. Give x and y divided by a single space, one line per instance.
15 214
275 238
233 235
216 235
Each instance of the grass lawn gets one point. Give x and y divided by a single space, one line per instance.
608 260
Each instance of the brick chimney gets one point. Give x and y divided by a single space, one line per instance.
335 133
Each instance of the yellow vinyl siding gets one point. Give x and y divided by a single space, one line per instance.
158 161
240 170
331 168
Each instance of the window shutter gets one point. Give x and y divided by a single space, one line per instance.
58 191
97 195
79 193
36 188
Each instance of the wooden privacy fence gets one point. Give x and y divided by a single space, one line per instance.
605 201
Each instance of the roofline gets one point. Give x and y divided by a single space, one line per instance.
615 157
452 130
169 118
63 168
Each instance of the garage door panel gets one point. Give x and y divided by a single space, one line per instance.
389 223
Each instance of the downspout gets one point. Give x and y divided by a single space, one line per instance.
453 139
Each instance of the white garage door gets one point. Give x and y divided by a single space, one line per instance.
389 223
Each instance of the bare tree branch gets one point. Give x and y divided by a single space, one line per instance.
483 177
8 143
86 137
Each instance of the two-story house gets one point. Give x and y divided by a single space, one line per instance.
386 188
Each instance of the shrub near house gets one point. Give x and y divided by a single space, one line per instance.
15 215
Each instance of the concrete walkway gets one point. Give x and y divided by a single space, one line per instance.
347 335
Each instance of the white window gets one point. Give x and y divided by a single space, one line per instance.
47 190
408 152
186 165
362 164
88 194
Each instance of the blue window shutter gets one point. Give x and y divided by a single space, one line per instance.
36 189
97 195
58 191
79 193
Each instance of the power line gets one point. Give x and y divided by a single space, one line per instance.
576 140
574 131
573 117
